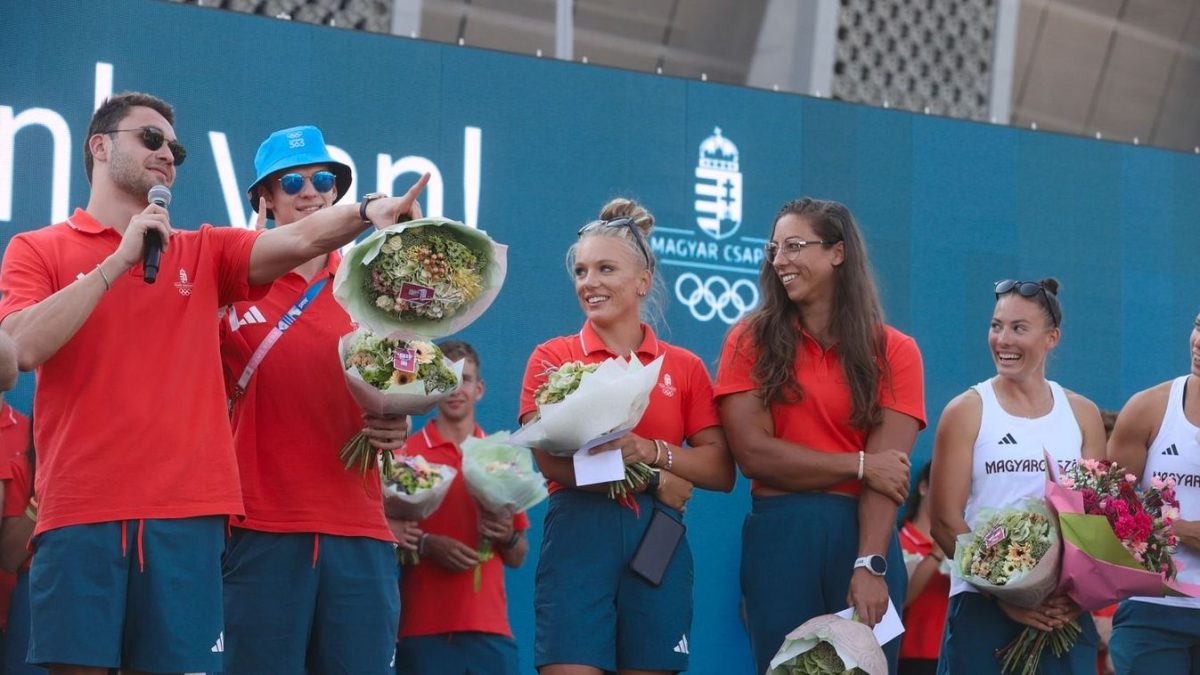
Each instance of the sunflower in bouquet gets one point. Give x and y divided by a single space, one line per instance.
1013 553
562 382
413 372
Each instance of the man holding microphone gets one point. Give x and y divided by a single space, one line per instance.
136 471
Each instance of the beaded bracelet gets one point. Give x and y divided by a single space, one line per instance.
658 448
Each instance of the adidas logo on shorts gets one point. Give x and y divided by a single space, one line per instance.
219 646
682 647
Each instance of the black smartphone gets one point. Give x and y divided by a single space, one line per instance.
657 547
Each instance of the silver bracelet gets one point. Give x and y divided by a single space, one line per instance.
670 459
107 284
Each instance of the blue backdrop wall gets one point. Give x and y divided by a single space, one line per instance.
528 149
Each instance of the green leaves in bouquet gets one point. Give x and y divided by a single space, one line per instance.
822 659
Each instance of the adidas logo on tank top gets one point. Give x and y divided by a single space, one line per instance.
1171 450
1008 440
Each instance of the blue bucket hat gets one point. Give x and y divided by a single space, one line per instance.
291 148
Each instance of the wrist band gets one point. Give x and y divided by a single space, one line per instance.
862 457
658 448
670 459
512 541
104 276
31 513
421 544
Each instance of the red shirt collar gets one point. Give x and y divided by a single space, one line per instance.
331 264
433 439
591 342
83 221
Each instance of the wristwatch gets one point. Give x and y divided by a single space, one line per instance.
653 483
875 564
362 205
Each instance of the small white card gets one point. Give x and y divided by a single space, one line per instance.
599 468
888 627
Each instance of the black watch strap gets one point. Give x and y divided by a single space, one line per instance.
653 483
362 206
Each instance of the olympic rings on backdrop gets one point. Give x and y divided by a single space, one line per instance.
715 296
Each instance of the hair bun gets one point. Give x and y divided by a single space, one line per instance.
1050 284
627 208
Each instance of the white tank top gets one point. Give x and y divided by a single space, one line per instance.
1175 452
1007 466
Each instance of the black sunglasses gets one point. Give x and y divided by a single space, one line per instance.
153 138
1028 289
293 183
623 222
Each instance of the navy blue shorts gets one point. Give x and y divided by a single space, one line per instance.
590 608
139 595
1153 638
976 627
16 636
798 553
466 653
297 603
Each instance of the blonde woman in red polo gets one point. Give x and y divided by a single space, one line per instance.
594 613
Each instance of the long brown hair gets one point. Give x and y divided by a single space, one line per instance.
856 323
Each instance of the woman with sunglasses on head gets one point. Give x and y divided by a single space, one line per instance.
310 575
1015 415
594 614
1157 435
821 402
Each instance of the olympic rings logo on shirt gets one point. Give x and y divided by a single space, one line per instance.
715 296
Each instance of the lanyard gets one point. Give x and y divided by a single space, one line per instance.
285 322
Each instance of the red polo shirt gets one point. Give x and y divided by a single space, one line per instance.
926 616
434 600
14 437
130 417
296 415
14 442
17 491
681 404
821 420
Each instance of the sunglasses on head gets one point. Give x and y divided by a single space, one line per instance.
153 138
293 183
1028 289
623 222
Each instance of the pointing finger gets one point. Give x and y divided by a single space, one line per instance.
260 223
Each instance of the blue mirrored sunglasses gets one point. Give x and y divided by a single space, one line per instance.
293 183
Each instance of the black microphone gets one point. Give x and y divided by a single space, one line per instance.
159 195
